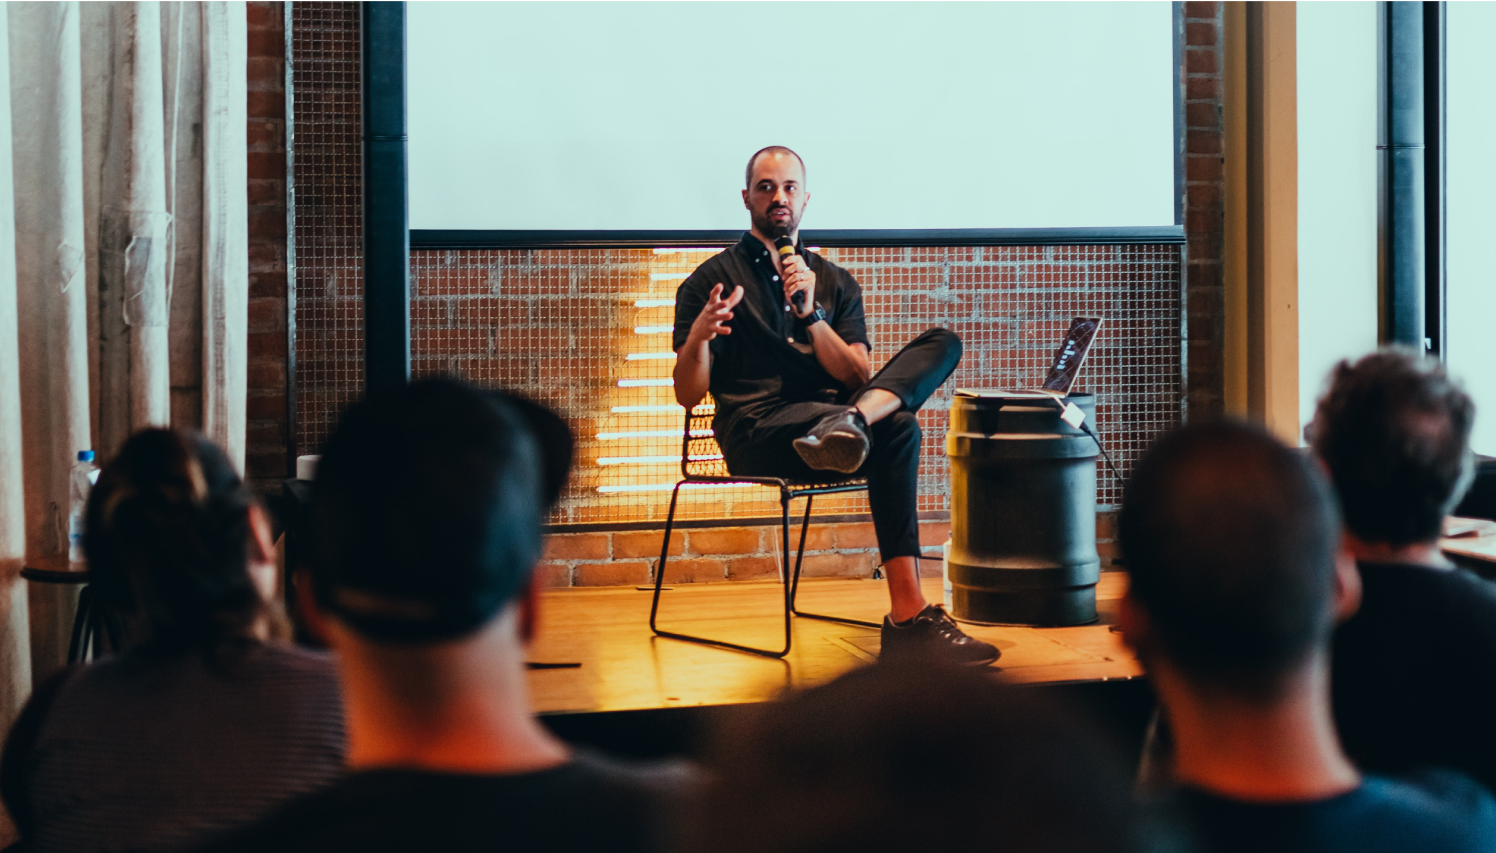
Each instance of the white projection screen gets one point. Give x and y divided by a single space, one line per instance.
640 116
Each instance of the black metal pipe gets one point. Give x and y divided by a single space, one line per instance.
386 210
1434 175
1402 151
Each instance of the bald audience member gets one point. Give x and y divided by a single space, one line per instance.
426 525
1231 541
1415 667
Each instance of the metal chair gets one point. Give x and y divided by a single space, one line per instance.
702 463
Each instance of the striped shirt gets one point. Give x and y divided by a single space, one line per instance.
142 752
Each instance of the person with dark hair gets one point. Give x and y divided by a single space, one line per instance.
200 722
1231 541
901 756
1415 668
779 339
426 516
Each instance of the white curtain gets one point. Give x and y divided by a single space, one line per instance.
123 265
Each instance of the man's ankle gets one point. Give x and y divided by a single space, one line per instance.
901 616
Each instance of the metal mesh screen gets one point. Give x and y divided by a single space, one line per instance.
326 151
588 332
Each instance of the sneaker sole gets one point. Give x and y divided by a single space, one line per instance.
982 662
985 662
837 452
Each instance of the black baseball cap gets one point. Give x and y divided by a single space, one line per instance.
427 507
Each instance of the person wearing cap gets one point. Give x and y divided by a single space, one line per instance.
779 338
426 517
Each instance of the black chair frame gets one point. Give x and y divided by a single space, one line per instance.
701 463
91 622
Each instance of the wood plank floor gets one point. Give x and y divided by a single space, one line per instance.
624 667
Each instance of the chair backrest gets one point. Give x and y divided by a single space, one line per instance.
701 456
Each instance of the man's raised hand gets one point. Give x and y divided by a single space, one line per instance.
712 321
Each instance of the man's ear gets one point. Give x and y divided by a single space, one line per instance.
1347 582
529 609
745 201
308 613
262 543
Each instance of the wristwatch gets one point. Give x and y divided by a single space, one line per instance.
817 316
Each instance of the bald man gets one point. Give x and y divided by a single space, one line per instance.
796 397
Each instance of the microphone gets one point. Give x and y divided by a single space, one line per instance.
786 248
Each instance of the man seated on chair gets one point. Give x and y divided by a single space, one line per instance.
795 395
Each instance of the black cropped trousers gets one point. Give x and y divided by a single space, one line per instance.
765 448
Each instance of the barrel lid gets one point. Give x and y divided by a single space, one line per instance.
1019 445
994 393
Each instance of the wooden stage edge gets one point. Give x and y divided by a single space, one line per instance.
623 667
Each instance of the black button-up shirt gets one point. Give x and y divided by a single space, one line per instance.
767 361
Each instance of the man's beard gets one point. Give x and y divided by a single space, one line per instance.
769 228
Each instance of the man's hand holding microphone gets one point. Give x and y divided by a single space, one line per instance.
799 281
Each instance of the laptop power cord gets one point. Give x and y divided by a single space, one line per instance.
1072 414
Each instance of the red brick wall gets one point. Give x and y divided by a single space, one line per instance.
705 555
267 412
1204 208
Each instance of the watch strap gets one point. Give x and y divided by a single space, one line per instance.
814 317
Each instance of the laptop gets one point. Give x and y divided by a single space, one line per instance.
1063 370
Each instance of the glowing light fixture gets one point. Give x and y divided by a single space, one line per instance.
645 383
665 487
667 276
648 356
653 330
620 410
653 303
650 460
673 251
636 460
651 433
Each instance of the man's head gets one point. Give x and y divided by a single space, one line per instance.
1230 539
1394 431
775 195
427 509
896 758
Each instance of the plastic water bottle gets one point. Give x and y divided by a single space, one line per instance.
81 482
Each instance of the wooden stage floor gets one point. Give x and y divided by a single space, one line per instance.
625 668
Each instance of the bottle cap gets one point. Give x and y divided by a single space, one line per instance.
85 456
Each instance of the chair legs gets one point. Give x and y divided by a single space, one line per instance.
794 587
82 630
96 630
654 609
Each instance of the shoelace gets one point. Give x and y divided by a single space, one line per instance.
947 628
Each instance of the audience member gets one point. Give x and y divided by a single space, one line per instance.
426 519
901 757
1414 680
200 724
1231 542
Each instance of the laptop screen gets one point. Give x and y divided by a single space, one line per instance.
1071 354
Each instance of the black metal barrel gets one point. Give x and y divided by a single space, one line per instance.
1023 511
